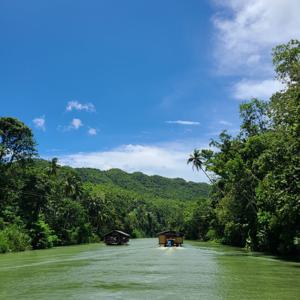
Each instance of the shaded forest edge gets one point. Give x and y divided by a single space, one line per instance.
254 201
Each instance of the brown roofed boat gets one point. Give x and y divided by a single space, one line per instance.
170 238
116 237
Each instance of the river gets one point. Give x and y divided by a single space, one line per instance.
144 271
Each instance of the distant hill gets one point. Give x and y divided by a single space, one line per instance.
138 182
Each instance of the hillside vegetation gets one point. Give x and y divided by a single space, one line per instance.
155 186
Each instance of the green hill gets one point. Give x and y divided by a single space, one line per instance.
138 182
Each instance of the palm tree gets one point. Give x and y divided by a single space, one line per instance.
52 170
72 186
195 160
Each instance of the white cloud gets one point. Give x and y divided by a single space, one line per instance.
248 30
247 89
75 105
226 123
167 160
92 131
181 122
40 123
75 124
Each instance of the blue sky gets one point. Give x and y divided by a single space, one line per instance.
136 84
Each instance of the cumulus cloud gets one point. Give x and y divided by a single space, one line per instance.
247 89
92 131
40 123
75 105
167 160
75 124
181 122
248 30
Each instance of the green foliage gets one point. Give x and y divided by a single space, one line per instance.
286 59
70 223
137 234
256 194
234 234
110 207
212 235
14 238
198 220
16 141
153 186
42 235
255 118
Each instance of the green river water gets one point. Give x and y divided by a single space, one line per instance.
143 271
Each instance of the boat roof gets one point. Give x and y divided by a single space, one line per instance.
171 232
117 231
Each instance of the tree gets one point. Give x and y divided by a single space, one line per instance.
34 196
195 160
286 59
52 170
71 224
254 117
72 185
16 141
16 145
259 169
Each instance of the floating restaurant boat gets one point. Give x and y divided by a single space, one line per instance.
170 238
116 237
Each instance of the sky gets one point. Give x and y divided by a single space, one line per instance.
137 84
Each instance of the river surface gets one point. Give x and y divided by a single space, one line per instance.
143 271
